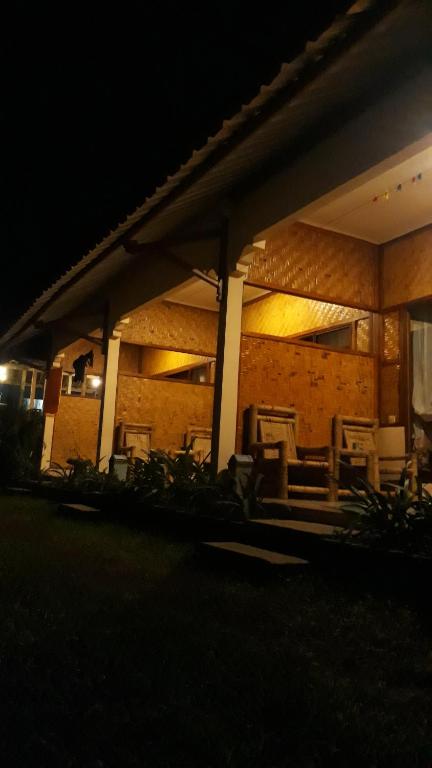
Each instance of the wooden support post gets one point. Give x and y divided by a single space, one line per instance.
283 469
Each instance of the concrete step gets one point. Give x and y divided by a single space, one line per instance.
78 510
257 554
300 526
328 513
17 491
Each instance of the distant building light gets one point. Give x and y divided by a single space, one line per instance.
3 373
95 382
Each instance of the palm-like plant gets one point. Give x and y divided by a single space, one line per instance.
397 518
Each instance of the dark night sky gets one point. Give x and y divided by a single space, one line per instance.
98 106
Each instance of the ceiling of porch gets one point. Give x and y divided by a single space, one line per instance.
197 293
386 206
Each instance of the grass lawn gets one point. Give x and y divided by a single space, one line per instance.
122 649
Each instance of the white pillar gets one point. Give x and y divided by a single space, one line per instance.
108 402
227 372
48 435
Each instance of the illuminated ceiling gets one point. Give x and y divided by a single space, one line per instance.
388 205
197 293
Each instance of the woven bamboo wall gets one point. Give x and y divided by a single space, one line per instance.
170 407
169 325
364 335
130 358
391 336
390 394
390 369
319 383
313 261
282 315
159 361
75 429
407 268
81 347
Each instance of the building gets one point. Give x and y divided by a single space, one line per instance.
288 262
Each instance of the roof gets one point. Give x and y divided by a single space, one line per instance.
274 118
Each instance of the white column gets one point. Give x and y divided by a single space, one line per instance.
108 402
48 435
227 372
49 422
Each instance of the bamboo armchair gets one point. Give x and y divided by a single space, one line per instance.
199 439
133 440
287 467
357 455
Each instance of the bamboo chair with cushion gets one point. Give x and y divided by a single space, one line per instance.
357 454
287 467
199 439
134 440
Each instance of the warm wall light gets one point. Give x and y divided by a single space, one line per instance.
3 373
95 382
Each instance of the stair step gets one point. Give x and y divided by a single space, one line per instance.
254 553
302 526
17 490
81 509
328 513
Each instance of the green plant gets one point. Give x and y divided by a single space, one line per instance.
396 519
83 476
20 442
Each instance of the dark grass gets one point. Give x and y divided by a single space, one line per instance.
122 649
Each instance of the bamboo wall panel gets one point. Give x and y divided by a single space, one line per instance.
304 259
156 362
407 268
282 315
130 357
364 335
391 336
75 429
390 394
170 407
169 325
317 382
81 347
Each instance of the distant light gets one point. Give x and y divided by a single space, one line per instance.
3 373
95 382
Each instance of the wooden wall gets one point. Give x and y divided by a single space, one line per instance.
406 272
318 263
170 407
316 381
75 429
173 326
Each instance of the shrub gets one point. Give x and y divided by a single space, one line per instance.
396 519
20 443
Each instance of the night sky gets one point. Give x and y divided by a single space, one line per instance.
98 106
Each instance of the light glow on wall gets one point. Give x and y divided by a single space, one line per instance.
3 373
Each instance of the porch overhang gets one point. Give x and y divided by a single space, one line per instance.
292 122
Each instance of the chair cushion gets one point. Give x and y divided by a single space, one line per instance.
274 431
202 446
140 441
359 441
